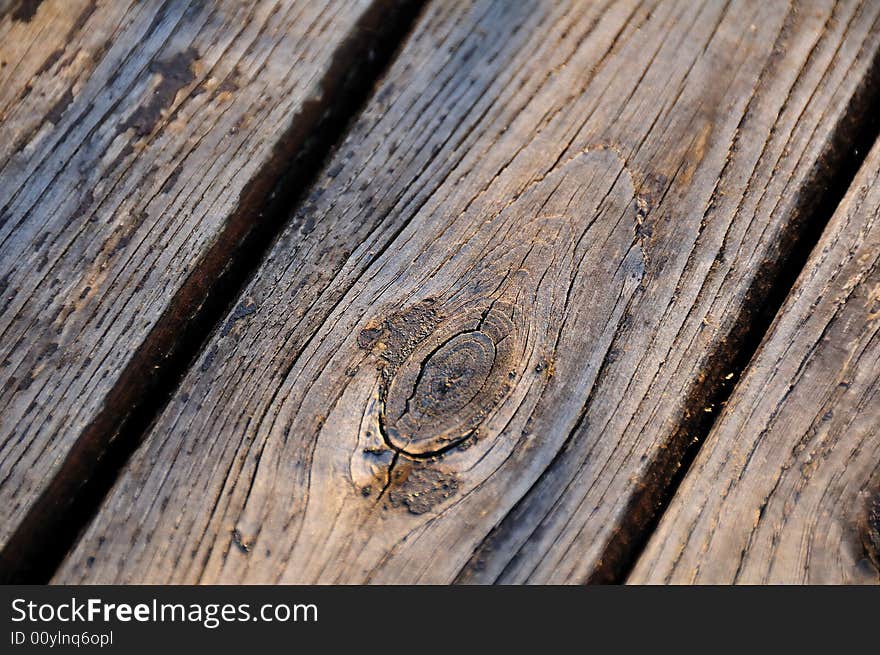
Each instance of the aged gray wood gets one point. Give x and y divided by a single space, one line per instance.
499 306
138 141
787 487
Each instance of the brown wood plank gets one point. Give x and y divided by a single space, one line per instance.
138 142
501 303
787 487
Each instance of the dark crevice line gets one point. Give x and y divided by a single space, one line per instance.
76 492
826 185
389 479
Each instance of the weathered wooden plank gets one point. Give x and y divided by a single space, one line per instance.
508 286
787 487
138 142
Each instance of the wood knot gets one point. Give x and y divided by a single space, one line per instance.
440 385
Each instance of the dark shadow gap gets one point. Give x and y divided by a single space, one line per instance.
827 184
148 382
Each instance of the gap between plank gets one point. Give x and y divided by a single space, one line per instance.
70 500
817 201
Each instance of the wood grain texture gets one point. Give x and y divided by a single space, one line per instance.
787 487
499 304
137 141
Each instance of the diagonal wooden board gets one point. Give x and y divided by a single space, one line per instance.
478 346
137 143
787 487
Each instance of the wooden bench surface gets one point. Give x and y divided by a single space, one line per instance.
498 327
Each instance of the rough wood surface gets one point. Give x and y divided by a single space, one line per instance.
787 487
137 140
501 304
